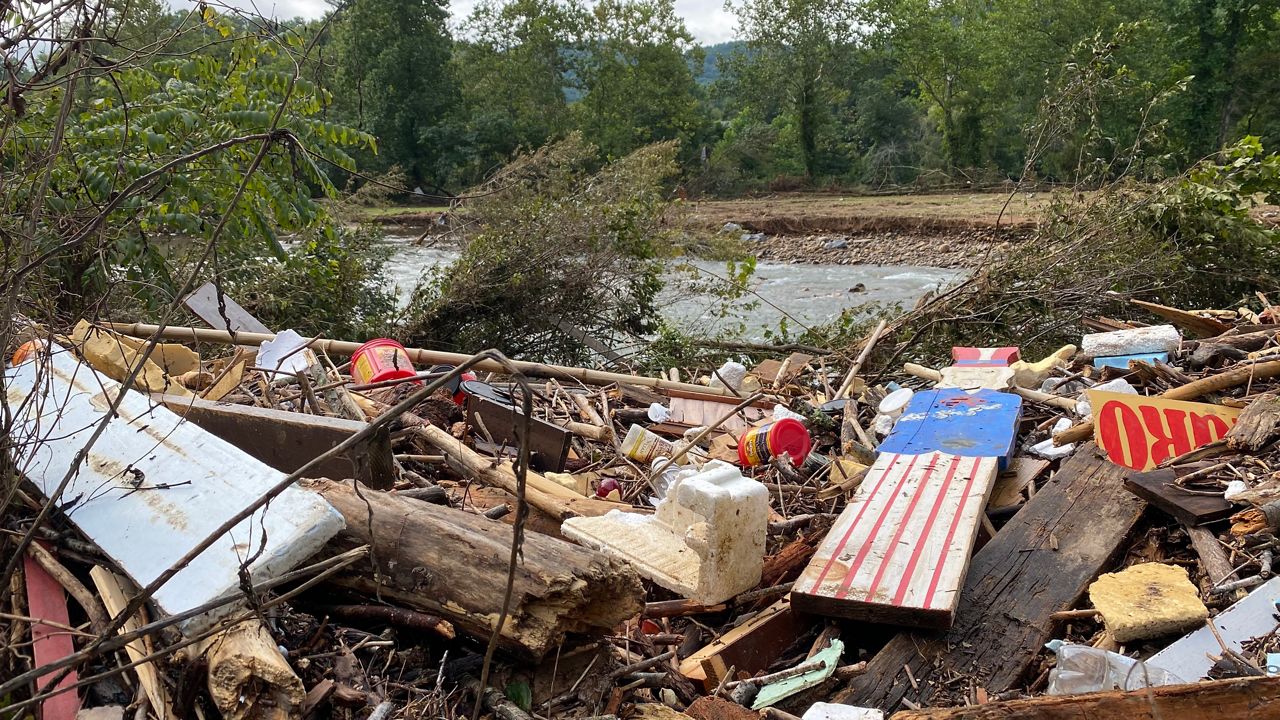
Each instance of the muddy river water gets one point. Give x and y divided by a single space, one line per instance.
806 294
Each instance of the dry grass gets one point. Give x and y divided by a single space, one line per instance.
792 213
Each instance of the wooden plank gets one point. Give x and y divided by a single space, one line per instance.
154 486
548 443
1011 484
749 648
203 303
1236 699
288 440
1160 488
1192 323
977 424
1039 563
1254 616
984 357
110 589
46 601
899 551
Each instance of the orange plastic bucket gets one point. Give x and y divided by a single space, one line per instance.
381 359
761 444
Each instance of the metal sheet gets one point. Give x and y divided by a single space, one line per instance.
154 485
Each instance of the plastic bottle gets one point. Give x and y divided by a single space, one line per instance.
643 446
1084 669
758 445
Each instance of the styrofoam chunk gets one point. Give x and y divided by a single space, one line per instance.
836 711
1134 341
705 542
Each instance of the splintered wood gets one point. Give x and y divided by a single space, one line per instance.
899 551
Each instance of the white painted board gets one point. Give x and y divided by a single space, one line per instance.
900 550
146 530
1251 617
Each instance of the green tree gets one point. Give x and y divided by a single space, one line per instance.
793 62
222 151
395 79
513 70
632 66
1218 40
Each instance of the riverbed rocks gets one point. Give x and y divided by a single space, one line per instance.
954 249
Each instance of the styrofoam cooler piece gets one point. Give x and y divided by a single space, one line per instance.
1133 341
836 711
706 541
153 486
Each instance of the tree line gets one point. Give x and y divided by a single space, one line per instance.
877 92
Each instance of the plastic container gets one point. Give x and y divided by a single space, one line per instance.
759 445
25 351
643 446
896 402
381 359
1084 669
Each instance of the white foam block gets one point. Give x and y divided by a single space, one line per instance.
118 497
705 542
1134 341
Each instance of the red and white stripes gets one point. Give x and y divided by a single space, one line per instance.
901 547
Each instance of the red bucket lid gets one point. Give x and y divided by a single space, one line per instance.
792 437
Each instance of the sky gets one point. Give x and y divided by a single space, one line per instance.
706 19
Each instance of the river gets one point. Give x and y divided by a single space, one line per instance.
806 294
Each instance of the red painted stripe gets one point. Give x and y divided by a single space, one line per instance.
840 548
875 529
905 583
46 600
951 533
921 489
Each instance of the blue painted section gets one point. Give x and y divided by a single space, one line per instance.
1122 361
983 423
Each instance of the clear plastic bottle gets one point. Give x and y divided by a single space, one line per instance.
1084 669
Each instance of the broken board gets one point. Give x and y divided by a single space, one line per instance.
978 424
229 316
1040 562
154 486
748 648
899 551
49 642
289 440
1160 488
549 444
1011 485
1254 616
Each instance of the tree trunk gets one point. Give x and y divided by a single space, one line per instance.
453 564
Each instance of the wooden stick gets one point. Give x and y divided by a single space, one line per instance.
113 596
1055 401
847 385
1203 386
418 355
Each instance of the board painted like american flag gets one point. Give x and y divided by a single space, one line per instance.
899 551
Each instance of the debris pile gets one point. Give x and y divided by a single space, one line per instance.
272 526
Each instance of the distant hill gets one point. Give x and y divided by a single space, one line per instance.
710 65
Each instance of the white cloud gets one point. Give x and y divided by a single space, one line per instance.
706 19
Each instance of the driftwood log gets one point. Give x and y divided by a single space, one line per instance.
1237 699
453 564
1258 425
248 677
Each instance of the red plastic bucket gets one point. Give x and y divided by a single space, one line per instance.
761 444
381 359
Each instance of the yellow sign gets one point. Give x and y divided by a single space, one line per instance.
1141 432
